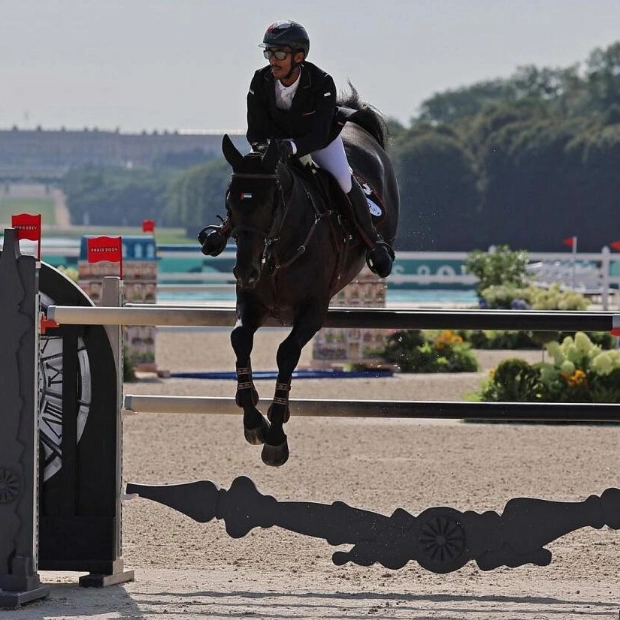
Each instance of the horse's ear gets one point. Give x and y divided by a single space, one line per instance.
232 155
271 156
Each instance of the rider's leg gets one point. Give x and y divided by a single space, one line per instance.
334 159
213 238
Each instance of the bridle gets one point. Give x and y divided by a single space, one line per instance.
272 235
254 230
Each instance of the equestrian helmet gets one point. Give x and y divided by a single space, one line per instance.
287 33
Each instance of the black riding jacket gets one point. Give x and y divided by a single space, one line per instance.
311 121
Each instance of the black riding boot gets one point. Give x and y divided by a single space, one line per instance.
379 255
213 238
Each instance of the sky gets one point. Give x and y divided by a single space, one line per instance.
145 65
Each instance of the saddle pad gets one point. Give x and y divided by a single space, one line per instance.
375 204
310 168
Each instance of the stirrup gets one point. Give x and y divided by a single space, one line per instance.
382 270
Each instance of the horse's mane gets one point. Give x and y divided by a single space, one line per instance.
367 117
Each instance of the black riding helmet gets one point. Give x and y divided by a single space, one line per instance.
287 33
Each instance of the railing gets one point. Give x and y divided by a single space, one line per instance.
591 273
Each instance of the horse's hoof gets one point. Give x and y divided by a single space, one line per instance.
275 456
257 436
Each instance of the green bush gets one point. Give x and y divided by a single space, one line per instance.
554 298
523 339
581 371
502 266
514 380
507 296
441 352
129 374
498 339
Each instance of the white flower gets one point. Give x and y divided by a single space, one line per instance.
606 362
582 342
548 372
567 342
602 364
567 367
554 349
573 353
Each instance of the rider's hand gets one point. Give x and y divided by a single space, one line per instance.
202 235
286 148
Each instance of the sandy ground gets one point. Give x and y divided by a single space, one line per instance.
187 570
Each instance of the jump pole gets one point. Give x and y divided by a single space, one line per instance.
377 318
441 410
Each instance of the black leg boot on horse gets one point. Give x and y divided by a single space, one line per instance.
213 238
380 255
255 425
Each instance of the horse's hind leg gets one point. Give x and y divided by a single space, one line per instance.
255 426
275 451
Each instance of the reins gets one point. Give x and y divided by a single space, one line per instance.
272 236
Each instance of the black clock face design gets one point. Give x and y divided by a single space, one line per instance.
50 396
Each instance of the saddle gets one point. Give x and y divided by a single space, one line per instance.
331 193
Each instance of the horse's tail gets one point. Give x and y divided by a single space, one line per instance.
366 116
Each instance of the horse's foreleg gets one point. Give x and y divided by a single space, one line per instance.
255 426
275 450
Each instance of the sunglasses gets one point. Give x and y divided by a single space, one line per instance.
279 54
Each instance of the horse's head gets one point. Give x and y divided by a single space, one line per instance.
251 200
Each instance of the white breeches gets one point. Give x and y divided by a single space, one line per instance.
334 159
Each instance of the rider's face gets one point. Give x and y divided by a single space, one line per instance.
281 68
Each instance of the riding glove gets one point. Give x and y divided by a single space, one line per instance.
287 148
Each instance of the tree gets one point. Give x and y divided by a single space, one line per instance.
197 196
531 183
439 192
116 197
452 105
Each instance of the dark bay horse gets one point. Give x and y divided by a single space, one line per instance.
296 248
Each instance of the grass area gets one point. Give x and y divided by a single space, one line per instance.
12 205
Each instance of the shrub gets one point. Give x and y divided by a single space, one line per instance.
523 339
514 380
553 298
441 352
501 266
129 374
498 339
581 371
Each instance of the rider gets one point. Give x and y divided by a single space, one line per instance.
294 102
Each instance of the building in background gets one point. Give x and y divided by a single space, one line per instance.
47 155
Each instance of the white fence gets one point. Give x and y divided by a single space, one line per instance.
591 273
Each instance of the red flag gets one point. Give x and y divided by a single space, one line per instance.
615 245
148 226
569 241
28 227
105 248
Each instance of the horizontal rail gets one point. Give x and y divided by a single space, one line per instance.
375 318
195 288
203 277
444 410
